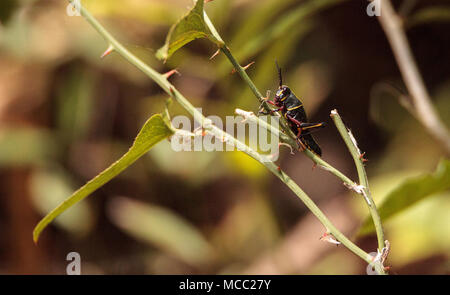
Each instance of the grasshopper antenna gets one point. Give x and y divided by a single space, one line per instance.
280 78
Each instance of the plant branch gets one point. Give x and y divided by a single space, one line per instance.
350 141
290 138
426 113
363 188
207 124
284 138
318 160
241 71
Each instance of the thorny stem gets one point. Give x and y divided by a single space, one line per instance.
290 139
350 141
241 71
422 106
318 160
362 175
235 63
207 124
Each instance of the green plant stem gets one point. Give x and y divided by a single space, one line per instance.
206 123
290 139
318 160
241 71
236 65
362 175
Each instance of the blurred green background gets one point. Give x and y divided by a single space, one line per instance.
66 114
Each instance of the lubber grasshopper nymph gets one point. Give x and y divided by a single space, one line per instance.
292 109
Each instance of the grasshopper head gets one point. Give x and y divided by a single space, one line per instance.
282 92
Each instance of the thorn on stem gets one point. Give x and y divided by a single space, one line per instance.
329 238
108 51
245 68
249 65
168 74
215 54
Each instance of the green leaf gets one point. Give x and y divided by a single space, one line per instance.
429 15
75 103
154 130
48 188
192 26
410 192
161 228
278 28
27 146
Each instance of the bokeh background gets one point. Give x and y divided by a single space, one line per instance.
66 114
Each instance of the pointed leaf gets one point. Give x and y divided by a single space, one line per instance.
154 130
162 228
410 192
192 26
49 188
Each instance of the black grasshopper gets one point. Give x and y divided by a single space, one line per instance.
292 109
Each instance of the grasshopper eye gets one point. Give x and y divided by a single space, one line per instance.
280 93
283 92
